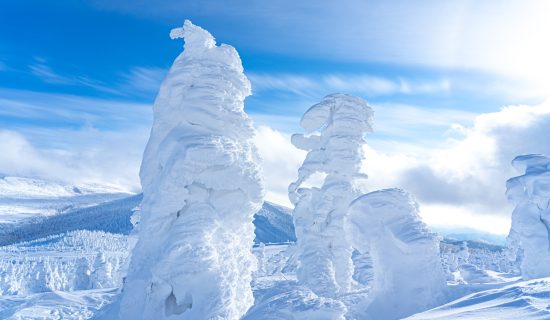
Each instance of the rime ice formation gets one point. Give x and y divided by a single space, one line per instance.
530 231
341 120
201 186
408 275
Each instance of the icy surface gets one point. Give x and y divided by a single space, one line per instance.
405 254
334 136
201 186
530 231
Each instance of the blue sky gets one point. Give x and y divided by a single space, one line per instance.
77 80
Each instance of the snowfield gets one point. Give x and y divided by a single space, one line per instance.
77 274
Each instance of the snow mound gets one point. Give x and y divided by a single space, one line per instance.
201 187
526 300
405 255
77 305
530 231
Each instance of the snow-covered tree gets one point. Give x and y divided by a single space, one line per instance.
334 136
201 186
530 231
408 274
102 274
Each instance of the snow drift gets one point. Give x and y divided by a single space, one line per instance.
201 187
530 231
325 254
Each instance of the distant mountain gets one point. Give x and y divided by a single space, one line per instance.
461 234
274 224
33 208
25 188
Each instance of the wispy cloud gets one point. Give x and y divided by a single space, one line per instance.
365 84
507 38
44 72
138 81
141 80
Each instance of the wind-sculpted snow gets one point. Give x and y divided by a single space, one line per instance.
325 254
525 300
530 231
408 275
201 187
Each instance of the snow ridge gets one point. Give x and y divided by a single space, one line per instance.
201 187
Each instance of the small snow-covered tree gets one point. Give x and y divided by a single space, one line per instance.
334 138
201 187
408 274
530 231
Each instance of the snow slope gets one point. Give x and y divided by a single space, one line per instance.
526 300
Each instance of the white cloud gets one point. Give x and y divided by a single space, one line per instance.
281 161
94 157
470 173
71 138
459 182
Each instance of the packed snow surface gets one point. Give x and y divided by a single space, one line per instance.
201 187
530 232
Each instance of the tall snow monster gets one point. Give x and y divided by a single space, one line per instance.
530 231
201 186
334 136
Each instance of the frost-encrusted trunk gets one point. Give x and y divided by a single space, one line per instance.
326 266
201 186
408 275
530 231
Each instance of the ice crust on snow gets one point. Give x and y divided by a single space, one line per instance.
408 274
530 231
201 187
334 135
